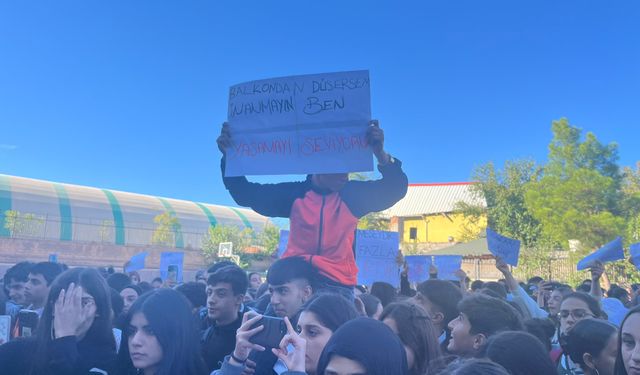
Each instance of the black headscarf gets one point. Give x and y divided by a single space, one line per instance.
369 342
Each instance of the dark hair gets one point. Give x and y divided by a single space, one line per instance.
216 266
233 275
288 269
117 303
134 273
415 331
474 367
592 303
368 342
18 272
135 288
48 270
170 318
444 296
535 280
542 328
477 284
384 291
118 281
157 279
620 369
588 336
583 288
520 353
617 292
497 288
488 315
332 310
144 286
99 334
195 293
370 303
253 273
262 289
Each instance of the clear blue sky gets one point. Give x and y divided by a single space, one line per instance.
130 95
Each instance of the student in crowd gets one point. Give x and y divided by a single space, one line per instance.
36 291
385 292
592 344
525 303
196 293
480 318
74 334
323 210
628 359
360 346
291 284
542 329
418 335
574 308
15 281
319 318
118 281
440 300
520 353
134 276
129 294
474 367
157 283
161 337
372 305
476 285
144 286
225 292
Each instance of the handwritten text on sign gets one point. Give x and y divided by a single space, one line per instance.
300 125
376 253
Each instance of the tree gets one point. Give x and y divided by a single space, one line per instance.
269 238
578 196
166 226
373 220
23 224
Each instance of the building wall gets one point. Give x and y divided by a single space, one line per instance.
438 228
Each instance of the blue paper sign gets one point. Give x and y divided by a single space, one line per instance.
447 266
284 240
300 125
608 253
136 262
171 261
53 258
634 249
506 248
376 257
418 266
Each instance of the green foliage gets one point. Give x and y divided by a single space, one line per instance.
23 224
166 226
373 221
266 242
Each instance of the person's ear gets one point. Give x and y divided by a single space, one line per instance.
307 291
437 318
239 299
587 358
479 341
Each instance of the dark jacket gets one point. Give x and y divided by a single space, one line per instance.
218 342
322 223
66 356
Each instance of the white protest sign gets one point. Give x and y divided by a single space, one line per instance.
300 125
225 249
376 257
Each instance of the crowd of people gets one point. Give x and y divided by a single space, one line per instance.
228 322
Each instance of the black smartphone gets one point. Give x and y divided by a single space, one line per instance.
272 333
27 322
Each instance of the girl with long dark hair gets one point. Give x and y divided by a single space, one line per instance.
628 360
160 337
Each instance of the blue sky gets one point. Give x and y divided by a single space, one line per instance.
130 95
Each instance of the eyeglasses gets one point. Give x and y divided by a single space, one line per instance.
576 314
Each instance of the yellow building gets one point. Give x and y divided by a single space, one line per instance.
426 218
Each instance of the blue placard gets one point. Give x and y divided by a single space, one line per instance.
608 253
418 266
136 262
376 257
447 266
171 259
634 250
53 258
506 248
282 244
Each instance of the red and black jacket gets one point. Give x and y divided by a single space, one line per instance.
323 223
